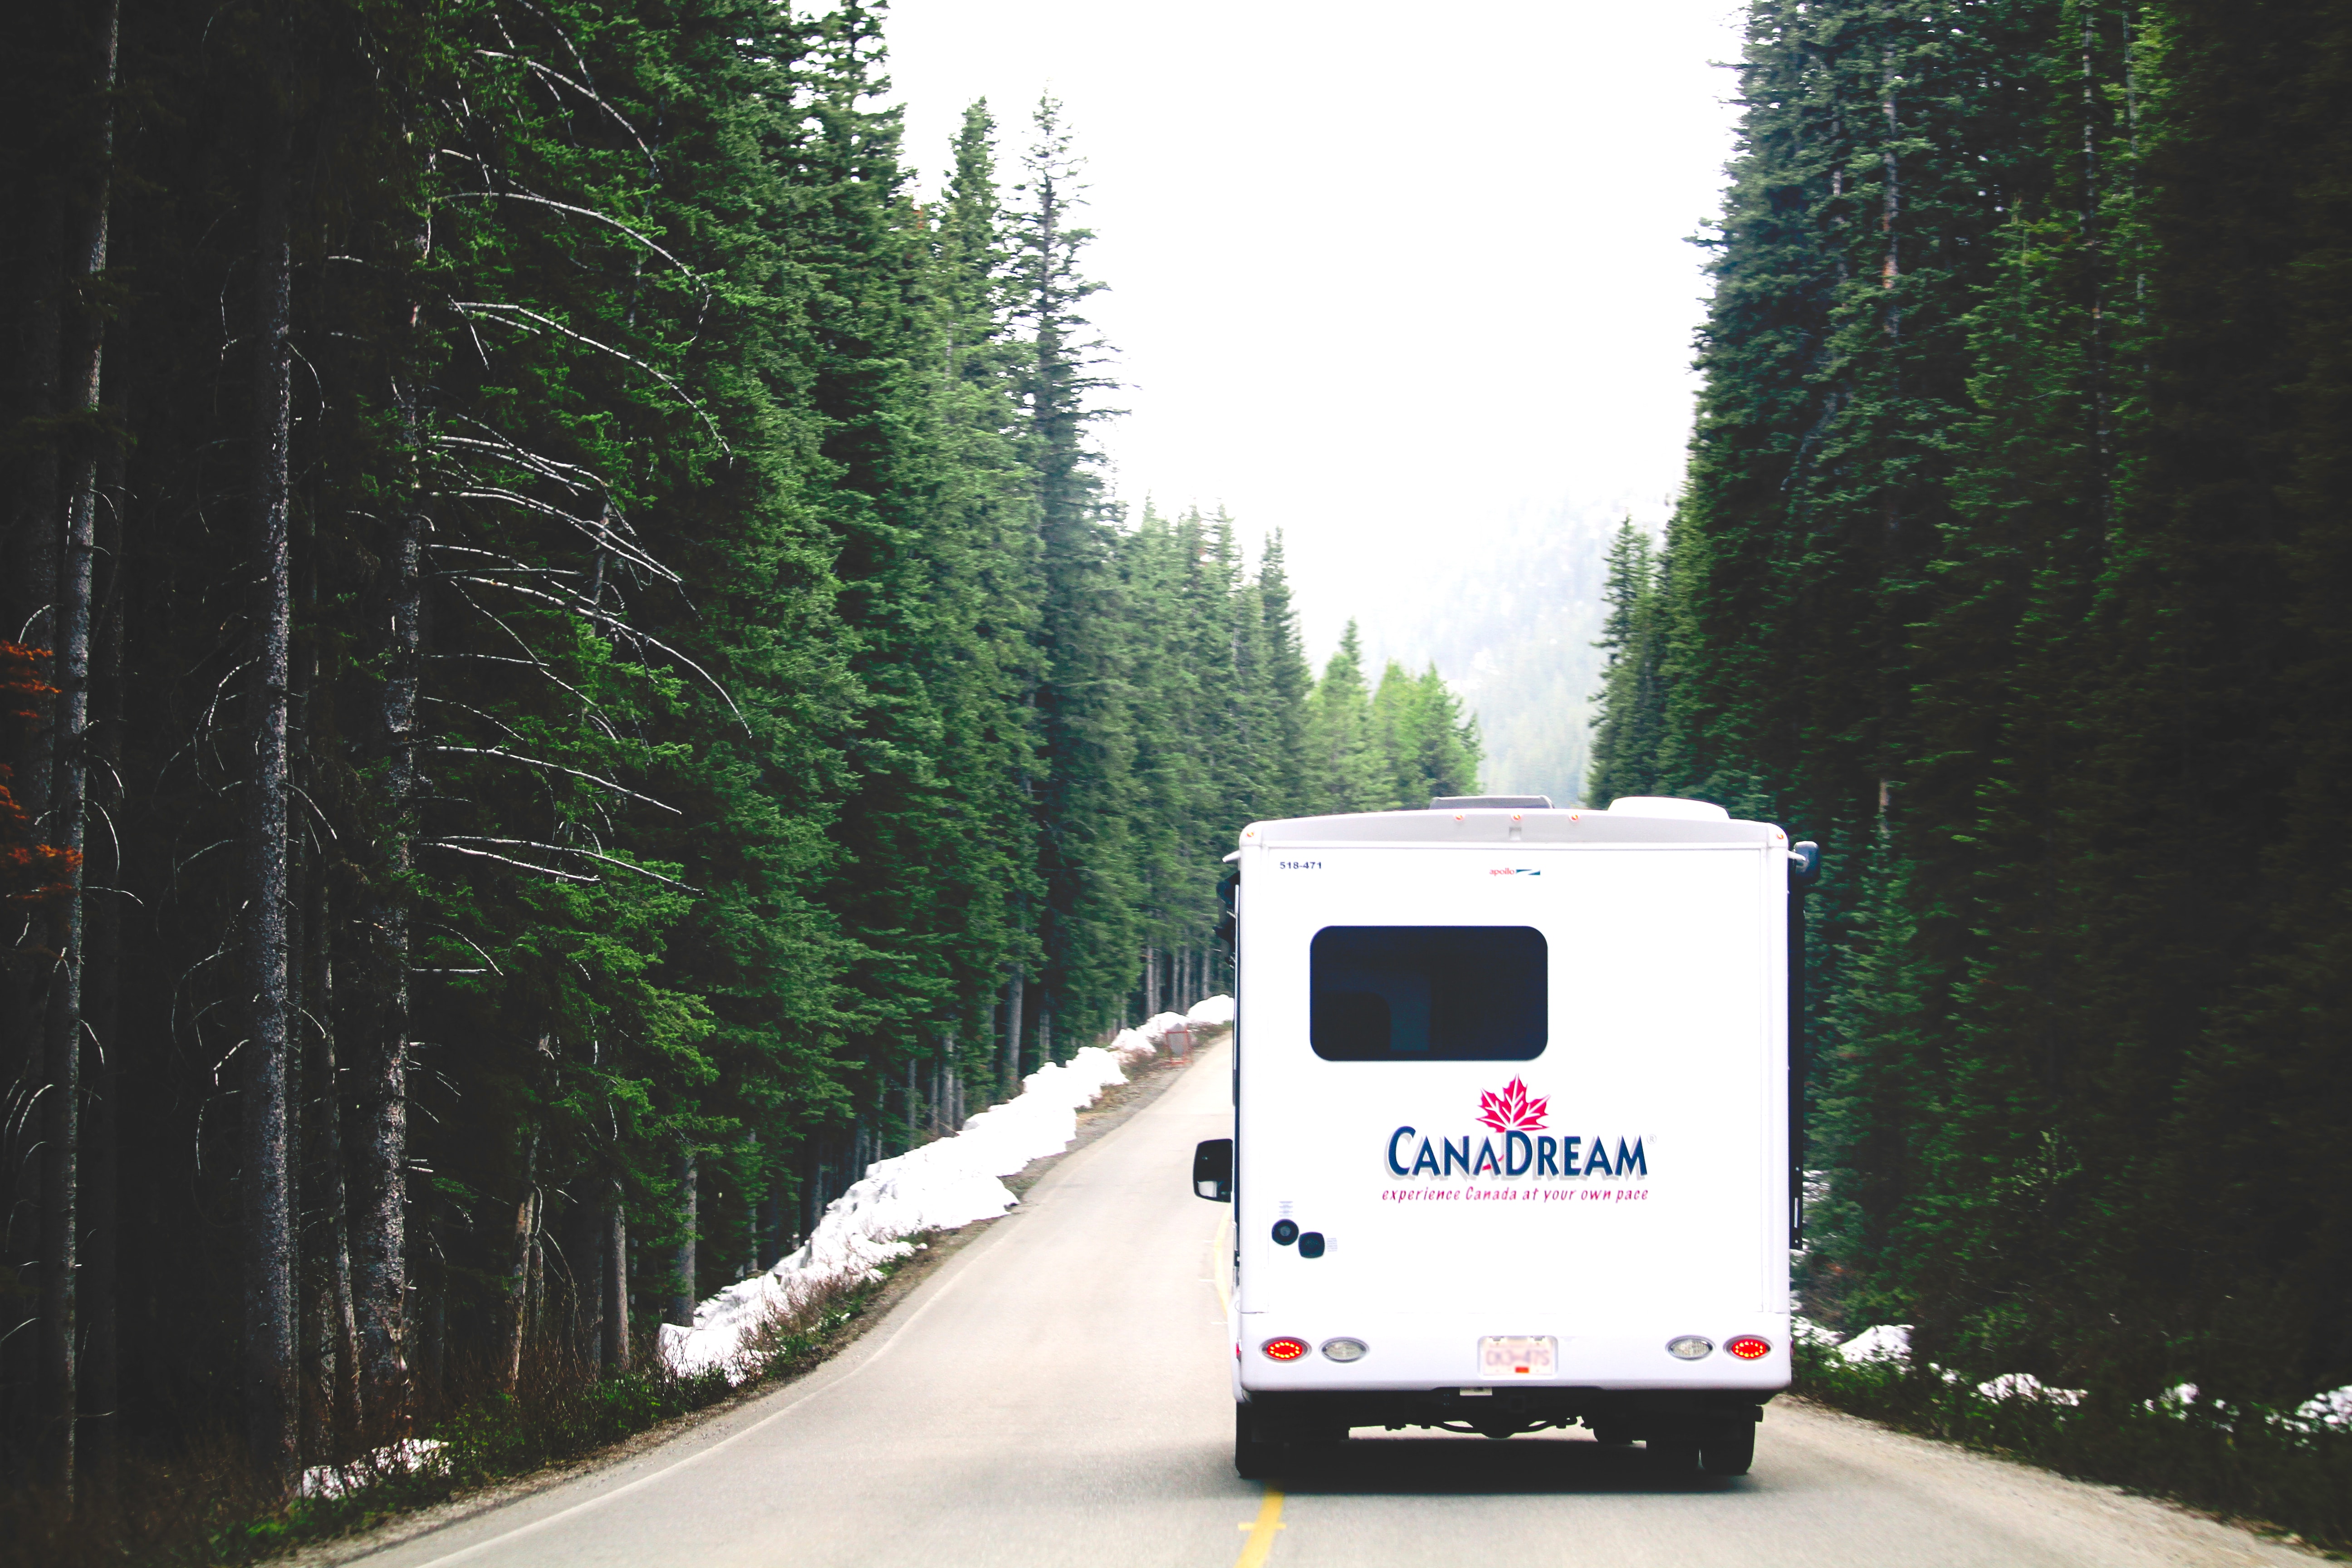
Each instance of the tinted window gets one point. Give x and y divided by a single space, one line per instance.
1420 994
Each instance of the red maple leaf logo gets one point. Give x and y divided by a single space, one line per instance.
1514 1110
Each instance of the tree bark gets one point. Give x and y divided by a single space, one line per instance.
1013 1035
379 1219
585 1232
682 1298
267 1179
617 1288
98 1290
341 1361
62 1050
519 1282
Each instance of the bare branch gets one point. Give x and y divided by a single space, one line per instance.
595 530
626 629
485 854
589 93
447 930
582 212
554 326
558 767
531 657
571 849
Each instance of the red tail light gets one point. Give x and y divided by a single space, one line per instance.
1284 1349
1748 1347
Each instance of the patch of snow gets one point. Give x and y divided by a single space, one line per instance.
2174 1400
1155 1029
1215 1013
1129 1046
940 1185
334 1481
1884 1341
2025 1385
2333 1408
1808 1332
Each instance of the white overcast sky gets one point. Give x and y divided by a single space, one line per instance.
1378 273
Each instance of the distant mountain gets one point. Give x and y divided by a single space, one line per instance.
1509 612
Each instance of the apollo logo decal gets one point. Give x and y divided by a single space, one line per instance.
1528 1152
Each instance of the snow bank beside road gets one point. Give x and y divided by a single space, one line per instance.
2328 1410
1216 1013
1886 1342
940 1185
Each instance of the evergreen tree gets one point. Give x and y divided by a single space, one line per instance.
1630 734
1344 763
1978 580
1427 747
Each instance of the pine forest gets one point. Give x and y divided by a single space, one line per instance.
2013 566
571 678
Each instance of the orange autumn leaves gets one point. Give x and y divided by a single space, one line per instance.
30 871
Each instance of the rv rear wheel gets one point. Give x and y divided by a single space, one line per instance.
1253 1460
1728 1451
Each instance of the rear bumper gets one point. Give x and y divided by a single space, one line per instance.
1613 1414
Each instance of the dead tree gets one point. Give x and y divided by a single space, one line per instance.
265 1183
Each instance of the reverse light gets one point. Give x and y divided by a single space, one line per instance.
1690 1347
1344 1349
1748 1347
1284 1349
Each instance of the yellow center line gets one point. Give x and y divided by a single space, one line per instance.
1261 1537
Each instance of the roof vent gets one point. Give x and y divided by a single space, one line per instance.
1490 803
1667 806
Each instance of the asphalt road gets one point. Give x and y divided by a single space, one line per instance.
1058 1393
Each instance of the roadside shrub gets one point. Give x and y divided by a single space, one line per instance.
2259 1465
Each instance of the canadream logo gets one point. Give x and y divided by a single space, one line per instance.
1517 1117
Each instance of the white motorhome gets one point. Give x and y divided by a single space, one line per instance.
1514 1134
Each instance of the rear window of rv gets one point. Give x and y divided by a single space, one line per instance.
1421 993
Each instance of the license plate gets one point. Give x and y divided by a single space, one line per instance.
1502 1357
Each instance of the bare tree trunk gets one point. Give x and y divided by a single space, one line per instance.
1013 1035
583 1257
1150 983
99 1287
66 582
682 1298
338 1340
519 1282
61 1035
430 1363
617 1288
771 1227
266 1178
380 1217
28 575
1045 1029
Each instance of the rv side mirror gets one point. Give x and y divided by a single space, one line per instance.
1804 865
1213 1170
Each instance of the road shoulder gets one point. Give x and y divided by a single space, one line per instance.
1116 1106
